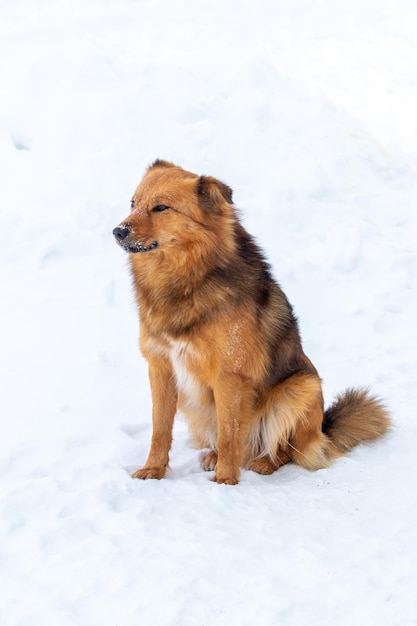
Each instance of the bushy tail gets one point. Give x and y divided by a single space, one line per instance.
355 417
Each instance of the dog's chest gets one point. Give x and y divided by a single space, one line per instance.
187 384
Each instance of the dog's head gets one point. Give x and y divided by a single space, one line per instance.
173 208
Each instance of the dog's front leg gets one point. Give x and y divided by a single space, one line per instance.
164 406
234 405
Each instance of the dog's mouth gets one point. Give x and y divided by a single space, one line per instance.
138 247
124 238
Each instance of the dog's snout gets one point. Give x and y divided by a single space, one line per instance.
121 232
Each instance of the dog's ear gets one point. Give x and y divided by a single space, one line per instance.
212 194
160 163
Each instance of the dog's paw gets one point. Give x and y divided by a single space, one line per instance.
210 461
149 472
263 465
223 480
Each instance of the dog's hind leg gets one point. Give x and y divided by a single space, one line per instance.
299 415
309 446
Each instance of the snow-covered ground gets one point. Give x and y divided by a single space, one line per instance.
307 108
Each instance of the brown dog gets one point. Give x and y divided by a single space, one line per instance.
222 341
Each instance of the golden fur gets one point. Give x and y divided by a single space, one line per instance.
221 339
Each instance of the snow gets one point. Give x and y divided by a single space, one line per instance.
307 109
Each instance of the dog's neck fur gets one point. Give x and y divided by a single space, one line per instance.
212 280
195 298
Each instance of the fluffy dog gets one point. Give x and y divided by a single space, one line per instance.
221 339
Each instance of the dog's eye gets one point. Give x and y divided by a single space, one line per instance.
159 208
132 204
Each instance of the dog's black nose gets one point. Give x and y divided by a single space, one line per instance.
121 232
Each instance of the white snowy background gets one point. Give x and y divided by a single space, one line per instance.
308 109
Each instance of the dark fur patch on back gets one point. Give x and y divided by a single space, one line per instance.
286 355
264 292
277 323
251 254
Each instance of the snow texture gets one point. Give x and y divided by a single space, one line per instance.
307 108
